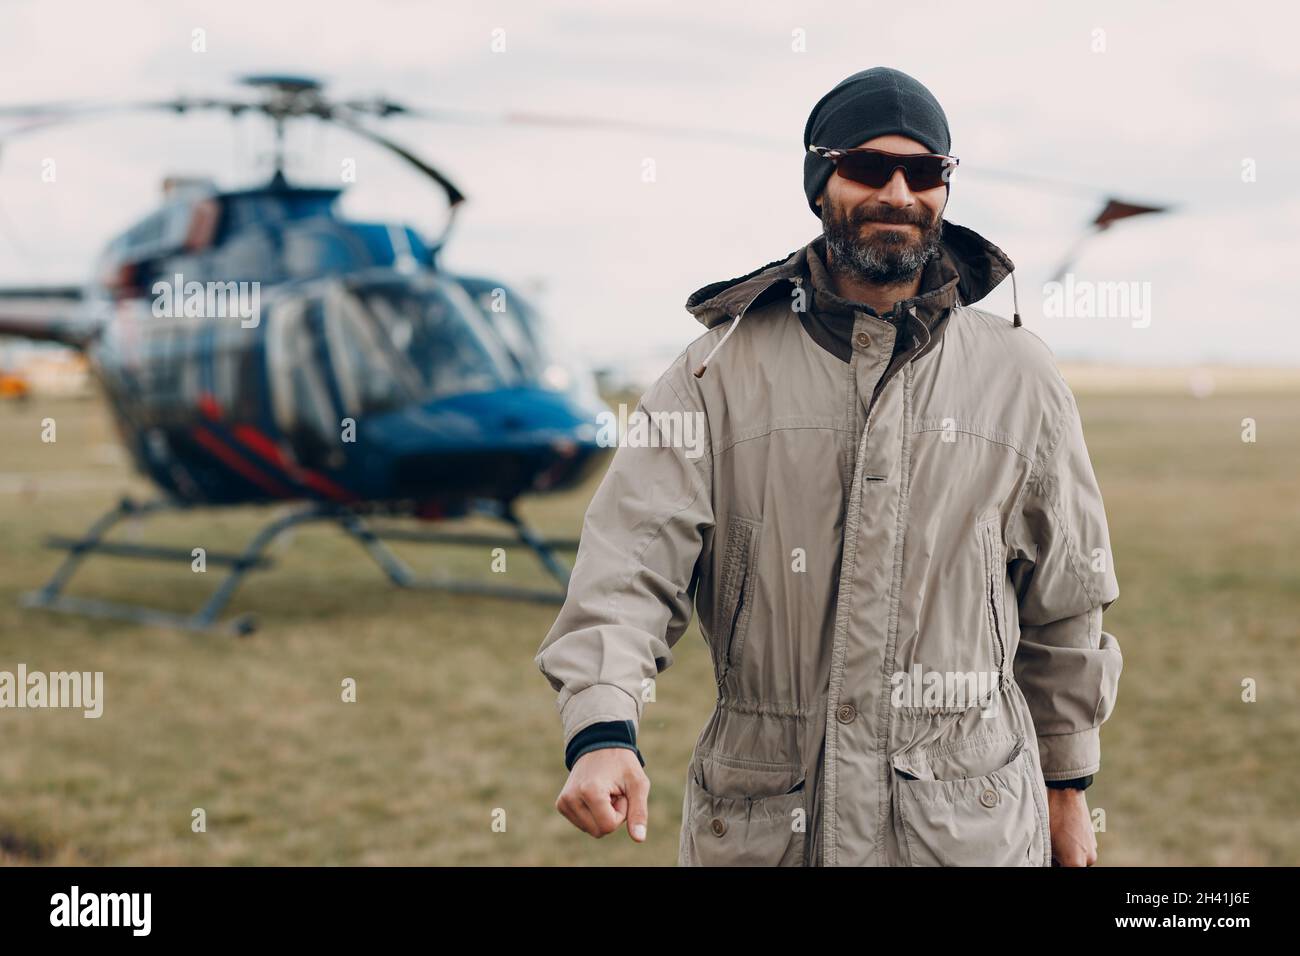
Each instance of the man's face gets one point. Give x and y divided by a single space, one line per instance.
883 235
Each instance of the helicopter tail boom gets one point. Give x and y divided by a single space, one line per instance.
47 314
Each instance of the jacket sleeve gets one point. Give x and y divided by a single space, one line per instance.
631 593
1066 665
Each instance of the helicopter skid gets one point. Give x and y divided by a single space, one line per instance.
135 614
206 619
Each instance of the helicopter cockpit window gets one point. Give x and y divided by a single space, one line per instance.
514 321
372 372
349 352
526 334
433 339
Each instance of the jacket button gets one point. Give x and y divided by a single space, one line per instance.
863 340
989 798
846 713
718 826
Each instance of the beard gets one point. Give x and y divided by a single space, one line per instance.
881 256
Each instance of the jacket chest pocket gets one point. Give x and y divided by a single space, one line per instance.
741 812
734 605
998 818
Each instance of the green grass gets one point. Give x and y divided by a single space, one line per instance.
454 724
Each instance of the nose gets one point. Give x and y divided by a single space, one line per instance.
896 192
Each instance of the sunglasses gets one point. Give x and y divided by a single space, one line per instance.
875 167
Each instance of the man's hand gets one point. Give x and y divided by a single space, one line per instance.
1073 841
606 787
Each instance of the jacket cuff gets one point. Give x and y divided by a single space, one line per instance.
1069 756
613 733
595 704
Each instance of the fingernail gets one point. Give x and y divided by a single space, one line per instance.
638 831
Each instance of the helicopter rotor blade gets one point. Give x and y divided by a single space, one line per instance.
40 111
42 117
298 97
454 196
45 115
558 121
386 108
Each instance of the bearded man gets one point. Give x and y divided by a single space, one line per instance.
894 488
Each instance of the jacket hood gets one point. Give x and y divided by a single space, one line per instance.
978 264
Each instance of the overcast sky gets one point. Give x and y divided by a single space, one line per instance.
1160 101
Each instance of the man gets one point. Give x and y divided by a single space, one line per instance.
893 537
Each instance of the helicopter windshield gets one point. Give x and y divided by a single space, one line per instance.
513 322
403 341
367 348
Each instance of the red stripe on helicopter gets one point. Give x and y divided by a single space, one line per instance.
264 446
209 407
213 444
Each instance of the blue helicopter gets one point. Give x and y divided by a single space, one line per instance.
255 347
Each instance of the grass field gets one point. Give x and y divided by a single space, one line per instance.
454 726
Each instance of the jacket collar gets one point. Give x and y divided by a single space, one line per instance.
967 270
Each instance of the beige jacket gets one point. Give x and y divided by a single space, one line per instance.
899 563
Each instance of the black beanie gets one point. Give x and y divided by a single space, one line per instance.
872 103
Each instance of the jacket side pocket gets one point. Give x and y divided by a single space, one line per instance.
740 812
735 603
993 819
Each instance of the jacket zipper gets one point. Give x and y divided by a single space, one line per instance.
735 622
993 584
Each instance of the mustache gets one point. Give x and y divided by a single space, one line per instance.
893 216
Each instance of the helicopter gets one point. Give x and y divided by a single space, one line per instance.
255 347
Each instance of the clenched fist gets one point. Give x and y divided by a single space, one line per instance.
605 788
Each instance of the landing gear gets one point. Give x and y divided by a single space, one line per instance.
205 619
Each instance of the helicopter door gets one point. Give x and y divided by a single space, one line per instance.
301 404
371 373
